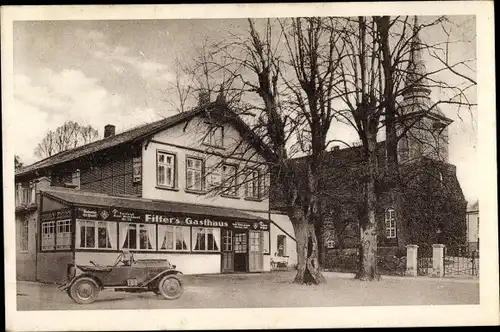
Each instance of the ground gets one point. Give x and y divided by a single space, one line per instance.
267 290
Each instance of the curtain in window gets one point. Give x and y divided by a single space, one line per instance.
214 241
151 229
111 226
123 235
185 237
198 239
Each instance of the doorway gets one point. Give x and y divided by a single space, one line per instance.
227 251
240 252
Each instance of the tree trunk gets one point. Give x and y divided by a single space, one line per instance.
308 271
368 229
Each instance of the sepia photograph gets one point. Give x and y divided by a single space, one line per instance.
309 160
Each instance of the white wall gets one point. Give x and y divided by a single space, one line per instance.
472 226
186 263
190 136
284 223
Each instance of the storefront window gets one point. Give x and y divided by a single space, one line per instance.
138 236
206 239
91 234
174 238
48 235
63 235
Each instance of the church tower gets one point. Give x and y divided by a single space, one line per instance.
425 126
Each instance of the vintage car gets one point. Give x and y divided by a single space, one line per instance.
127 275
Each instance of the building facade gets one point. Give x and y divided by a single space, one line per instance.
473 226
191 188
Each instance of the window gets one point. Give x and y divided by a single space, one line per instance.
390 223
214 177
215 136
227 240
194 174
138 236
206 239
330 244
32 194
91 234
48 235
252 184
175 238
229 180
24 236
63 234
281 242
165 169
25 198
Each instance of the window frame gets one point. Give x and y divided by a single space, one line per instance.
68 225
201 170
390 223
24 238
225 188
174 237
205 229
173 166
248 181
48 225
284 245
209 139
78 225
138 236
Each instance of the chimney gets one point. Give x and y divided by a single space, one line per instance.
203 97
109 130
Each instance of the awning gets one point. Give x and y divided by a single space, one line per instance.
85 199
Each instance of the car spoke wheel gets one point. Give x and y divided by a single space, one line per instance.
171 287
84 291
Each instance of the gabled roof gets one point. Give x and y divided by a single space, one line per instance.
142 132
82 198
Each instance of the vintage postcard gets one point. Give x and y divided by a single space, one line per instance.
249 166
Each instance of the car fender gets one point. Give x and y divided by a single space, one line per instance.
94 279
161 275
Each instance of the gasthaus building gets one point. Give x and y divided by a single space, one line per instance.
150 190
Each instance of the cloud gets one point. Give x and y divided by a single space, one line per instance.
120 57
51 98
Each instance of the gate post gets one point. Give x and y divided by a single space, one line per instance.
411 260
438 260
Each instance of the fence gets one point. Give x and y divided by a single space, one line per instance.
424 260
459 260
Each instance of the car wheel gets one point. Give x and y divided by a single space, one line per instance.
171 287
84 290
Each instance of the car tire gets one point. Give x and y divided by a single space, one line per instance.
84 290
171 287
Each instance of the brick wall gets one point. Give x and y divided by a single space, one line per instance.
112 175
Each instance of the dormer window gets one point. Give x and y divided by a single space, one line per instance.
215 136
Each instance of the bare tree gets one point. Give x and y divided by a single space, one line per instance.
68 136
18 164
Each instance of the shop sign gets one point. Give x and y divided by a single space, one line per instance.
136 169
116 214
55 215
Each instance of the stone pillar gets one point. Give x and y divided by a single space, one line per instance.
438 260
411 260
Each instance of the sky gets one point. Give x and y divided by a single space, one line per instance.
118 72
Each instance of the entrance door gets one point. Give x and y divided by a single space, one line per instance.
255 251
227 251
240 252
